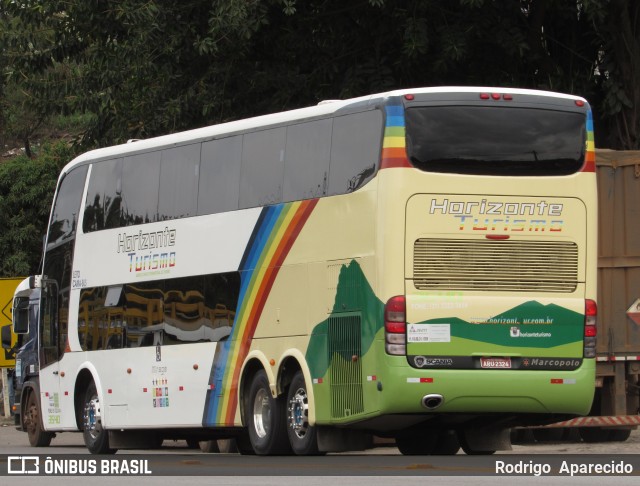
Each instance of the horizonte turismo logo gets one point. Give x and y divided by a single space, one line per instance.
149 252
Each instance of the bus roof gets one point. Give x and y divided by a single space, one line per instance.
323 108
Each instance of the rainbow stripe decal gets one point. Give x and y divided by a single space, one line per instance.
394 152
590 156
273 236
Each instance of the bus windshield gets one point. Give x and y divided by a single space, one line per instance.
495 140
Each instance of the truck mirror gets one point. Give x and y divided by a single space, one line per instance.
6 336
21 315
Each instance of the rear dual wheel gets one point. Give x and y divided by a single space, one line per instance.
439 443
302 436
280 425
266 418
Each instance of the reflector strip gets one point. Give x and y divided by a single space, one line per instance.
317 381
563 381
419 380
371 378
617 358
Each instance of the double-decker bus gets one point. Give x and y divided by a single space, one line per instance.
418 264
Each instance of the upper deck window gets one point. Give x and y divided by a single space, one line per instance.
495 140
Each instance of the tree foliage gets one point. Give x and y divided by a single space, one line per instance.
151 67
26 192
148 67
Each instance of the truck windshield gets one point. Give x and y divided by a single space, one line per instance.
495 140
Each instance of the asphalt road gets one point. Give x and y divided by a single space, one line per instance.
381 466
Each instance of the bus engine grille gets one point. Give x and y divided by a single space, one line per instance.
495 265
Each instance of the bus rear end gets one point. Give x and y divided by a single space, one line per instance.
489 197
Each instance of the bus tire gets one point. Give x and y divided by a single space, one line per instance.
471 450
33 423
302 436
219 446
96 439
447 443
266 418
417 445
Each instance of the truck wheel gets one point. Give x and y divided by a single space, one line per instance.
302 436
96 439
593 434
33 423
619 435
266 419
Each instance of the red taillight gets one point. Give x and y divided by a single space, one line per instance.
495 96
395 310
409 97
484 96
590 329
507 97
579 103
395 319
590 312
394 327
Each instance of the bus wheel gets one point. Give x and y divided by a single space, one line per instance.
266 418
221 446
96 439
302 436
417 445
447 443
469 449
33 423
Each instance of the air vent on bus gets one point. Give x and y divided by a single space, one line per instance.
494 265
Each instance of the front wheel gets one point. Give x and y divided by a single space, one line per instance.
302 436
266 418
33 423
96 439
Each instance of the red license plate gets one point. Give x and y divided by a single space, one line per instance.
496 363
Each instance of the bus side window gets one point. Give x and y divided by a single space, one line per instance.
140 183
102 208
178 196
219 184
355 150
262 167
307 160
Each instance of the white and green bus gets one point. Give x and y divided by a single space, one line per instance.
417 264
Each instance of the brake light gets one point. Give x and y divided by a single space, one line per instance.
395 325
496 96
590 328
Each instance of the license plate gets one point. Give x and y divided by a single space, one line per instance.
496 363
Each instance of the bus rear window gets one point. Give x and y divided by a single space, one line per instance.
495 140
